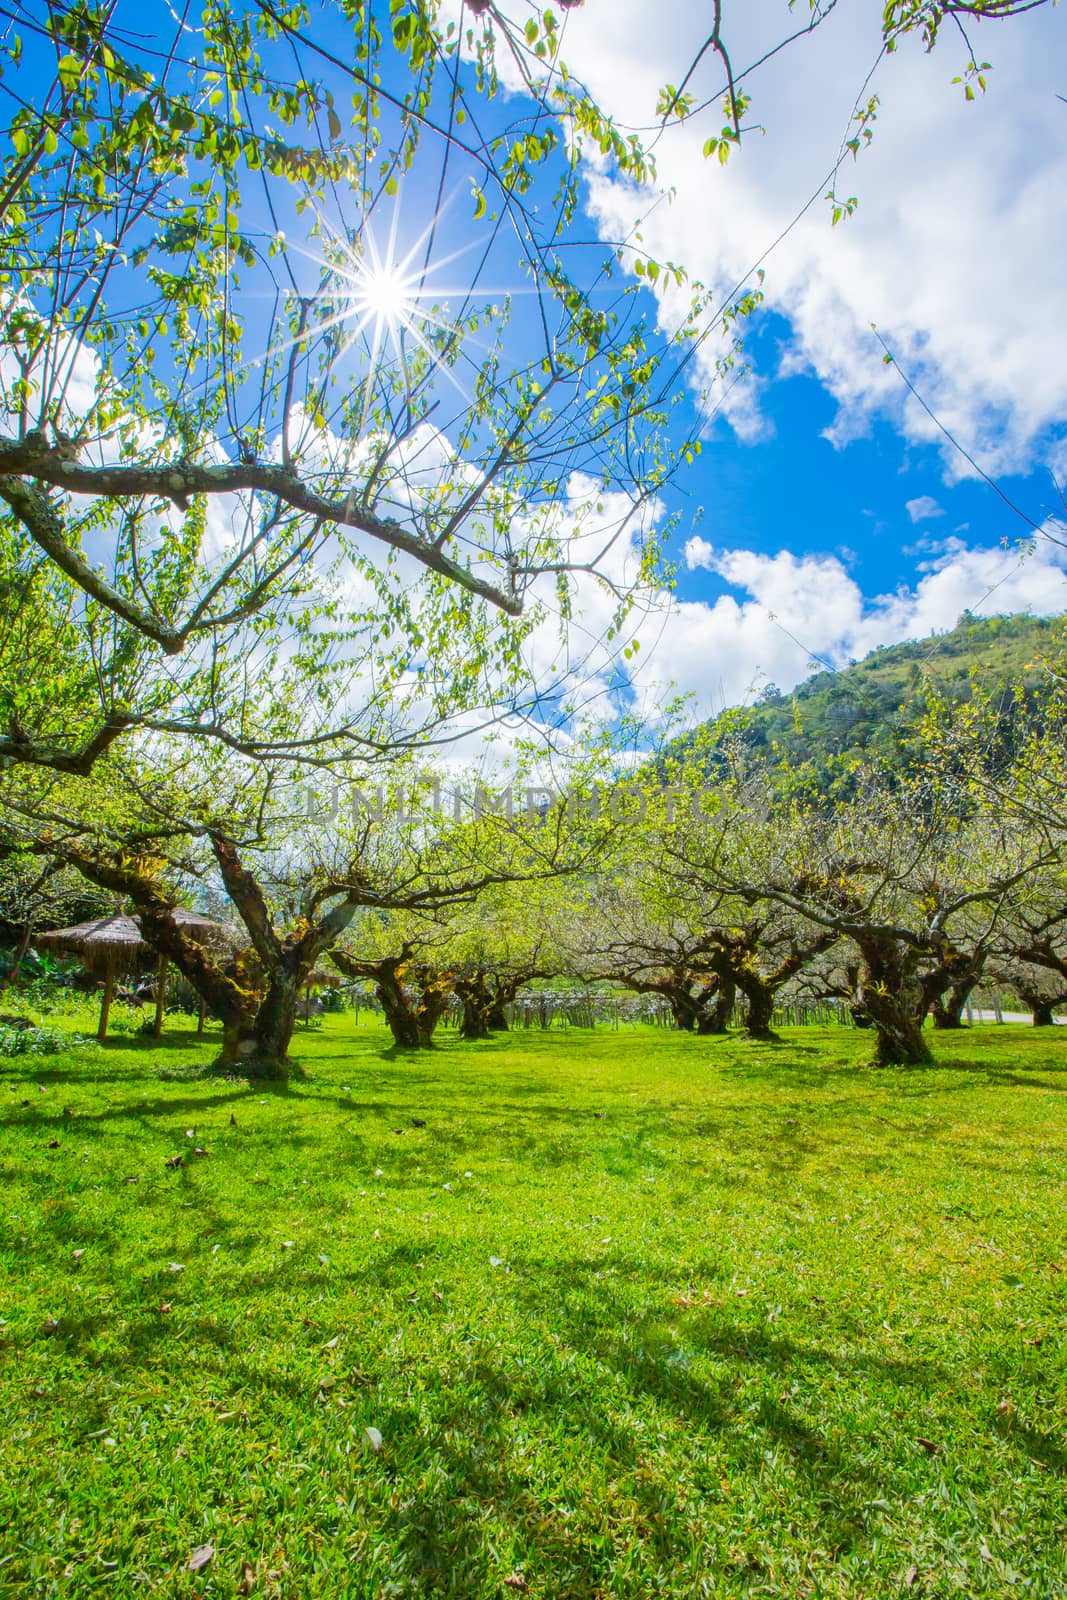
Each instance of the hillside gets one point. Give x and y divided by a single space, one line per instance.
867 707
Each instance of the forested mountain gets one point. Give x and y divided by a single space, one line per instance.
874 706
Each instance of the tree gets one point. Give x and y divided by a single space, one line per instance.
297 877
413 992
495 946
230 455
893 871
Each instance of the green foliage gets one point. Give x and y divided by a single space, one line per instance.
35 1041
835 722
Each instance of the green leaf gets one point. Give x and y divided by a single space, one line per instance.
70 71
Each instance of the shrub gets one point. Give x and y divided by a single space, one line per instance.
33 1041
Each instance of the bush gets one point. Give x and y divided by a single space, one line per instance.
33 1041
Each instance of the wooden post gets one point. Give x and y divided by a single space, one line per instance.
105 1004
161 995
203 1014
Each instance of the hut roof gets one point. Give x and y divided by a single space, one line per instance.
102 933
119 936
104 939
202 928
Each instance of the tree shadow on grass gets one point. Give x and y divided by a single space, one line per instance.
573 1370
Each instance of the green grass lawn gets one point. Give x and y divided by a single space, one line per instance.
634 1315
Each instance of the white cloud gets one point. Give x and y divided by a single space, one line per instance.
793 614
956 249
698 553
923 508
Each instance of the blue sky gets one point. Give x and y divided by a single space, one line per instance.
828 496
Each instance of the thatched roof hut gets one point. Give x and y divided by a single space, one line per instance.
112 945
114 942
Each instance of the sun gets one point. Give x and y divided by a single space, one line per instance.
388 302
385 293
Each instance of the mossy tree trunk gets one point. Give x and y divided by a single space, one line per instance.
891 995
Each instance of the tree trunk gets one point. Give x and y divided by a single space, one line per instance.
274 1025
412 1026
684 1009
433 1003
105 1003
714 1020
477 1000
498 1017
238 1044
259 1044
161 997
891 995
474 1023
1039 1005
949 1013
760 997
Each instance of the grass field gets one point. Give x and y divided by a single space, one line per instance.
634 1315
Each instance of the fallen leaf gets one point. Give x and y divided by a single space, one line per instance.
515 1580
49 1326
233 1120
165 1306
910 1576
199 1151
76 1256
373 1438
929 1446
68 1111
331 1344
175 1266
53 1144
418 1122
324 1261
131 1180
248 1577
201 1557
287 1244
190 1133
175 1161
1004 1406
